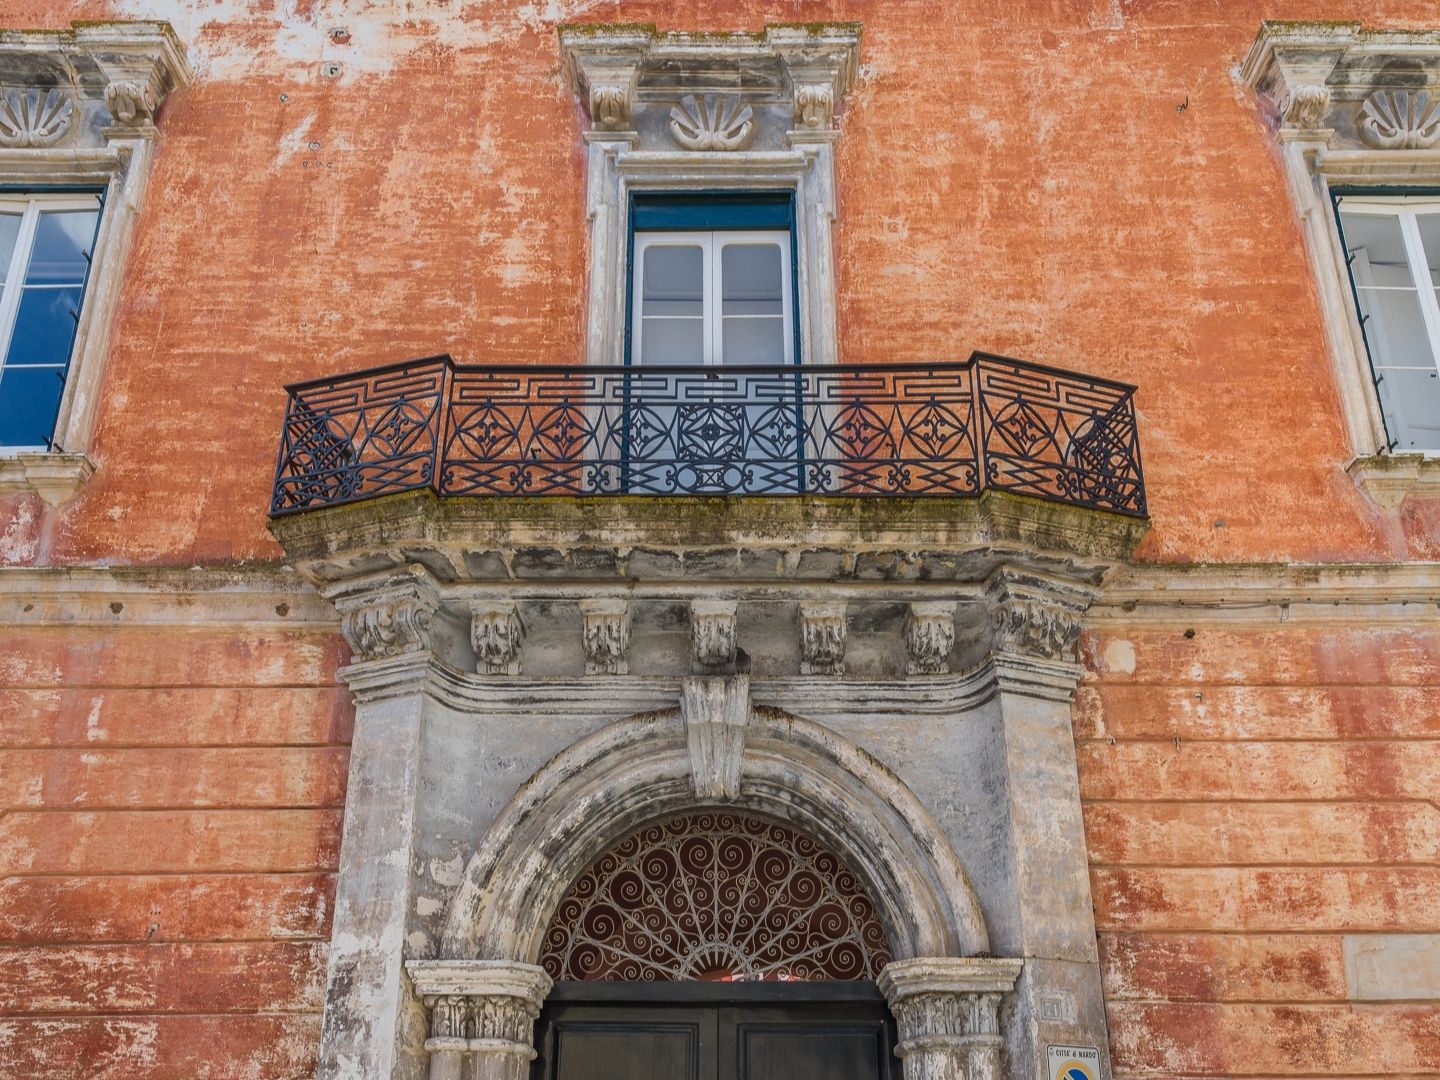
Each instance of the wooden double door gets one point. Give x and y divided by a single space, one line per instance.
715 1031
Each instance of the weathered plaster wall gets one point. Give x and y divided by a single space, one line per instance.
1077 183
169 827
1261 810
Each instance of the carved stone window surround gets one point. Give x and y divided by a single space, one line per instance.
643 91
1328 90
97 87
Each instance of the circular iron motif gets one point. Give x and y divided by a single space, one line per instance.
716 895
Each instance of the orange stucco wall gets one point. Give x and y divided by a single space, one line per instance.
1078 183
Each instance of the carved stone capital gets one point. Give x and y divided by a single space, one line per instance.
389 616
132 103
929 637
814 105
481 1011
1035 617
1306 106
716 712
712 634
495 635
822 639
606 634
947 1015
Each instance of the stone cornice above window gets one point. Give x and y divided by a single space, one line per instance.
1388 479
80 88
1377 89
712 91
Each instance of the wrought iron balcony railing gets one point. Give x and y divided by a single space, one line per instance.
909 429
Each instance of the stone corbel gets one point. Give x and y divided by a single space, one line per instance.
712 634
495 635
947 1015
929 637
386 617
482 1014
605 72
716 712
822 638
606 635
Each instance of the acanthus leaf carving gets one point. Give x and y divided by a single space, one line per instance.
814 105
392 619
495 634
131 103
929 637
822 639
716 712
712 633
947 1014
712 122
610 107
35 118
1035 628
1400 120
1307 106
606 635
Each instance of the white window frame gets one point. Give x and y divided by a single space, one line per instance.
712 244
1405 208
30 207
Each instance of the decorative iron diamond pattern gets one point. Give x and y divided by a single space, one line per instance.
879 429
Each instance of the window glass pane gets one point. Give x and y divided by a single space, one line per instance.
61 255
750 279
672 341
754 341
45 326
29 400
1430 236
1395 330
674 281
9 229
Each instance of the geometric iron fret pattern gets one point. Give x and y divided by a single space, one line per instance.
716 895
952 429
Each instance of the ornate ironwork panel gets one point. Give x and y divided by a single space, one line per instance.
881 429
716 895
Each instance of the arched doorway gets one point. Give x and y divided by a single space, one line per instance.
715 944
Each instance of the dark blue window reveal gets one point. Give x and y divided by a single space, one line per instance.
47 243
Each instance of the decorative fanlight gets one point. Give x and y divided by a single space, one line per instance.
716 895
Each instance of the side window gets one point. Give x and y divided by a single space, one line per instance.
717 297
1392 249
47 244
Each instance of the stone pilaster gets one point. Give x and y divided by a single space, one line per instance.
947 1014
387 620
482 1016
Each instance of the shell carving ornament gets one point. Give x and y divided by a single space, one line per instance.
35 118
1401 120
714 122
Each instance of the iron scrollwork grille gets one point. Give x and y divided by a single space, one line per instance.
875 429
717 896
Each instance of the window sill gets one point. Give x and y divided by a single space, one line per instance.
54 477
1388 479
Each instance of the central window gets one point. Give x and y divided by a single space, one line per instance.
712 280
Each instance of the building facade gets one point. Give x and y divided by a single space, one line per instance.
589 540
